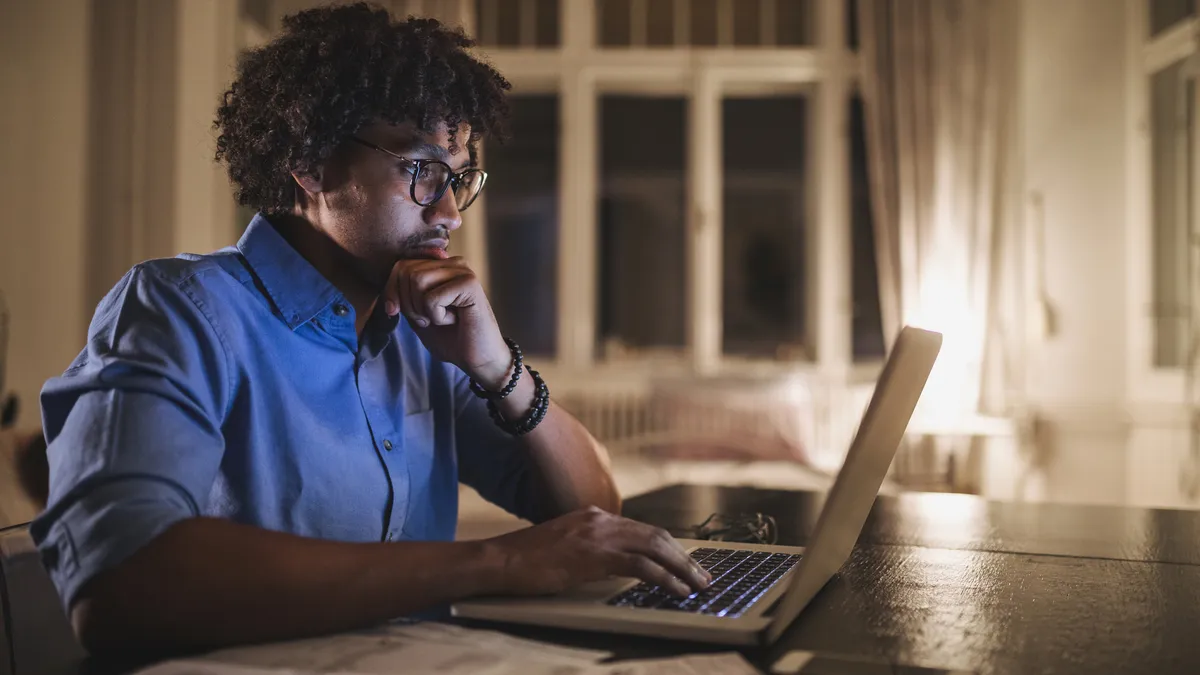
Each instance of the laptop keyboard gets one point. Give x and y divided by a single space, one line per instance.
740 578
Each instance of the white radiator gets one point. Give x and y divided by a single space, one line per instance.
701 419
810 423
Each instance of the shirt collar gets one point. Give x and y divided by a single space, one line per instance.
297 289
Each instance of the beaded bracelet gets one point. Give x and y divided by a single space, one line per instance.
518 357
541 404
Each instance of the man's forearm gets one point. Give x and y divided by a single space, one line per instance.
205 583
571 462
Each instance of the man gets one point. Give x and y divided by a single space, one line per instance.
266 442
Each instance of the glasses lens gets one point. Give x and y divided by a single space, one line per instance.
430 181
470 184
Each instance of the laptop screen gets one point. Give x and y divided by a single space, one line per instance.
866 465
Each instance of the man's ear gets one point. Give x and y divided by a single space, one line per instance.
309 181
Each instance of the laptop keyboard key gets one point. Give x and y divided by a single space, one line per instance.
740 578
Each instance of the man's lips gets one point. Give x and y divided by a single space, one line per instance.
434 249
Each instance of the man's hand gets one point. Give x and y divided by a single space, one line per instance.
592 544
444 302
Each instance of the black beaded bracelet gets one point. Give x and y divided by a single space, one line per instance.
518 361
541 405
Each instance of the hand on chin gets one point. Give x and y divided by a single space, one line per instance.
443 300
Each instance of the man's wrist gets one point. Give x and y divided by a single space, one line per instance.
518 404
494 375
493 568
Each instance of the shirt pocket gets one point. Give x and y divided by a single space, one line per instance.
433 491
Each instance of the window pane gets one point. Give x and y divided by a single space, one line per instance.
547 23
852 24
746 22
522 224
763 298
794 21
614 26
498 22
1171 121
485 22
704 23
660 23
866 322
641 224
259 11
1167 13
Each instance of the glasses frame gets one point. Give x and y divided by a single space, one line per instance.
453 179
750 528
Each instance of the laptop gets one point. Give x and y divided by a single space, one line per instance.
757 590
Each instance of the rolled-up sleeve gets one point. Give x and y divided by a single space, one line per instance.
134 428
493 462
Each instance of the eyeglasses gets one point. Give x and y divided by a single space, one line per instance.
430 178
756 528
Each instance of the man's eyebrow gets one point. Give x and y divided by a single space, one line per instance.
431 150
435 151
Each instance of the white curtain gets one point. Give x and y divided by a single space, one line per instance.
935 74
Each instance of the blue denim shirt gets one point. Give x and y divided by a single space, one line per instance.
235 385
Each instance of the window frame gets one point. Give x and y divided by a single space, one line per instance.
1149 55
579 71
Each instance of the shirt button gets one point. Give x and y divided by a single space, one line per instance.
389 536
387 445
341 310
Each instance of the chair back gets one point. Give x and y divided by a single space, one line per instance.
35 635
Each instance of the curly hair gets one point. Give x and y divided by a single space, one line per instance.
334 70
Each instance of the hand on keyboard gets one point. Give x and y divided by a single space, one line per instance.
740 578
590 545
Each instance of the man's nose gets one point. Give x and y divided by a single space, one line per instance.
444 212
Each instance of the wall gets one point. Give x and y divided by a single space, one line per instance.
44 110
107 159
1073 92
132 133
205 216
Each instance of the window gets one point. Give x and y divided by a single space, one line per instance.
704 23
1165 293
1165 14
669 157
517 23
1172 113
851 24
521 215
867 322
640 223
764 307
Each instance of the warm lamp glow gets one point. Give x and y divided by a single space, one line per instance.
953 389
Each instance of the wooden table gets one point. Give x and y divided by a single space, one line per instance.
943 583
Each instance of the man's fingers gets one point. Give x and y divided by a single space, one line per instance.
426 292
424 280
391 292
406 297
667 552
401 291
438 300
651 572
